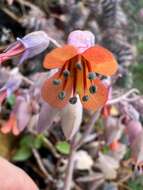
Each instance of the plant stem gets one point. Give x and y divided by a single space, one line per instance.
88 127
54 42
69 171
40 164
74 146
125 97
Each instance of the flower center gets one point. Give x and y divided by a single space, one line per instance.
80 71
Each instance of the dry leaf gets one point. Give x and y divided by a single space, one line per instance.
83 160
108 166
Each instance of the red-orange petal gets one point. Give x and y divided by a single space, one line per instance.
57 57
7 127
101 60
50 92
106 111
114 146
15 129
98 99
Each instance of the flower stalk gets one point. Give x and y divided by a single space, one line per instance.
74 146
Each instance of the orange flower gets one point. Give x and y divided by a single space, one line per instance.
79 65
11 125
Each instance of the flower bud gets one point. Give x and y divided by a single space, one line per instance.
30 45
34 43
81 39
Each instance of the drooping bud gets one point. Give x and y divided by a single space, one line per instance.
133 129
47 115
71 116
13 83
11 125
34 43
28 46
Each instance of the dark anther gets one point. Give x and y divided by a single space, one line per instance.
91 75
66 73
73 100
61 95
79 66
85 98
92 89
56 81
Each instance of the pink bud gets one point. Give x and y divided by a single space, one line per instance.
29 46
137 148
133 129
82 40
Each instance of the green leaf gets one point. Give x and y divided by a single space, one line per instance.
105 149
63 147
30 141
11 100
22 154
38 141
128 154
136 184
27 141
140 46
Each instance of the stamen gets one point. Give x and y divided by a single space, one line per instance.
66 73
79 66
56 81
84 80
91 75
61 95
73 100
92 89
85 98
